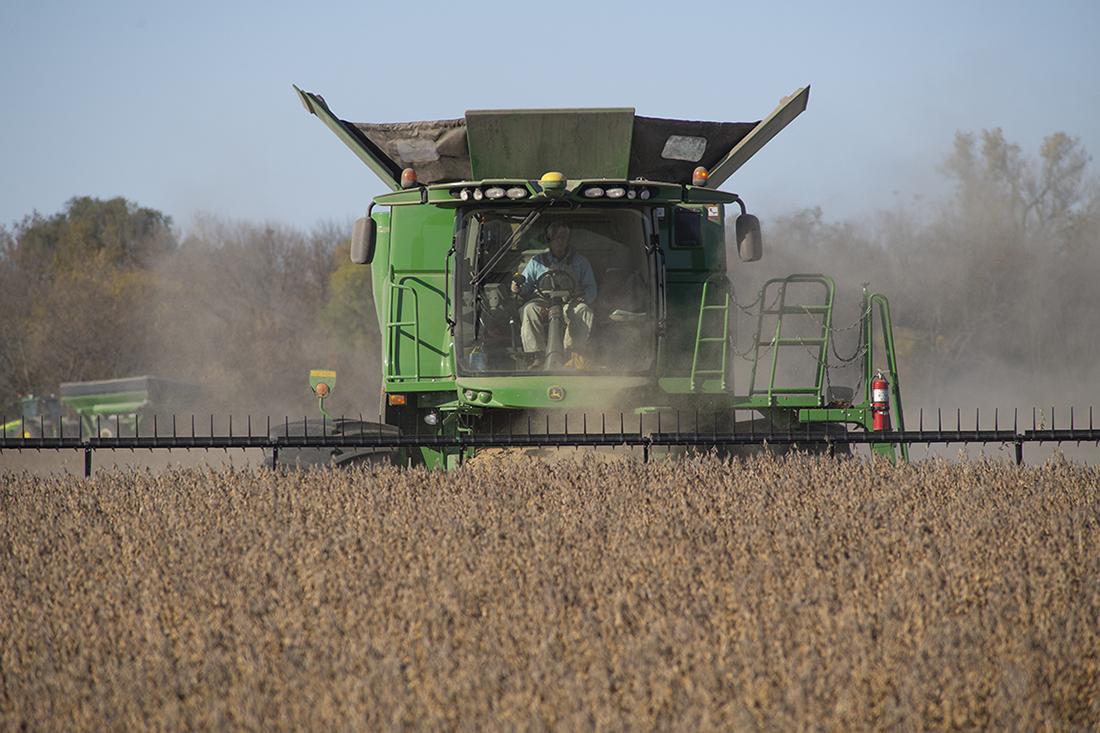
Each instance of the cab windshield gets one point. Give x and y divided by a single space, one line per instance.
541 290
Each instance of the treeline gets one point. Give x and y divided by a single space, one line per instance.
108 289
995 288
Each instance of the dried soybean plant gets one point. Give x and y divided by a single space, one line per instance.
794 594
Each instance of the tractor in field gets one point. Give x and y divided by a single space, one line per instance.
32 416
562 266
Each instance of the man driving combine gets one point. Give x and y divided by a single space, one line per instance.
577 311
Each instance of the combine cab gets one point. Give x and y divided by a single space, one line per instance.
489 325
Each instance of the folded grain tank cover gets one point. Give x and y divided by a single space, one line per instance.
670 150
437 150
609 143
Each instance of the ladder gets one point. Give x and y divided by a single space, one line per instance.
712 335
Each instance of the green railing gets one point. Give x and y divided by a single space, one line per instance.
713 330
394 327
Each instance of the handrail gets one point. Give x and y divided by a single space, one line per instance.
891 363
393 325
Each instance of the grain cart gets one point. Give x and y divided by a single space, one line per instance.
119 407
634 320
103 408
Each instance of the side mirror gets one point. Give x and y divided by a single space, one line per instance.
750 245
362 240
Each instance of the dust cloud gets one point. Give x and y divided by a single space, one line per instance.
247 310
992 292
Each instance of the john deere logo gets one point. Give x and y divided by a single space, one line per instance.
556 394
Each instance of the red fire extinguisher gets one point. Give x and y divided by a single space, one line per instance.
880 403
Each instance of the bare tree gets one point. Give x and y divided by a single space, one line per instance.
72 287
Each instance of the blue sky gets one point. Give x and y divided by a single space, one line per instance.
188 107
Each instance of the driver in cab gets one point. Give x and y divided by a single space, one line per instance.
578 311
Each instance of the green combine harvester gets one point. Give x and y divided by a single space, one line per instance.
560 266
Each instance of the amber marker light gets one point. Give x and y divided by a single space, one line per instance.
397 399
408 178
699 177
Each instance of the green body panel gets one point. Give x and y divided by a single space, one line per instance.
413 295
123 403
685 385
854 415
692 237
582 143
380 271
421 237
578 391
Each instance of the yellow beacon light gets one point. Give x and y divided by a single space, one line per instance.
553 183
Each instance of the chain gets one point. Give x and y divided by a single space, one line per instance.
753 354
747 309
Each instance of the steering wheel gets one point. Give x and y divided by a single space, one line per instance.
557 281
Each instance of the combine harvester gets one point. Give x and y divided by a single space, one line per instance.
488 332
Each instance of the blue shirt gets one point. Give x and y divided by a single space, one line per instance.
582 269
